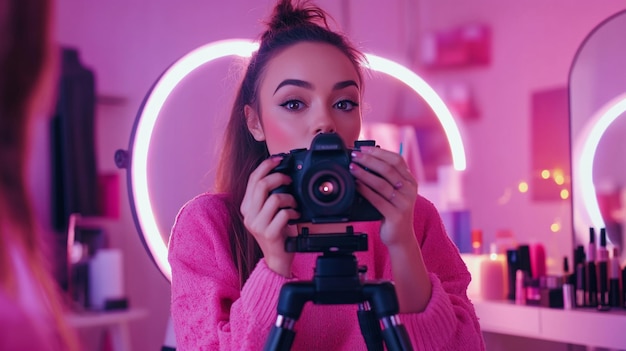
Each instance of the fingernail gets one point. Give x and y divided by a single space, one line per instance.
398 185
355 154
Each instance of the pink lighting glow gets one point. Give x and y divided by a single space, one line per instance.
244 48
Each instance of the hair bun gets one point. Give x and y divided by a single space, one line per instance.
287 15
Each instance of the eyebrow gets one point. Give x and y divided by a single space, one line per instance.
307 85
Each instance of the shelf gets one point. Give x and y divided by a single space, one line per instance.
578 326
89 319
115 322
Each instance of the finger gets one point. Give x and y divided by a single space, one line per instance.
381 185
262 170
269 209
258 189
388 164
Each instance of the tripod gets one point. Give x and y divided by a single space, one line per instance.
337 280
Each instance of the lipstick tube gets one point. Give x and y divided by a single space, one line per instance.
592 273
603 270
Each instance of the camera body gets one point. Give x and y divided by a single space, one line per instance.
322 184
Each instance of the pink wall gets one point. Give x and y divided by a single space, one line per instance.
129 43
533 47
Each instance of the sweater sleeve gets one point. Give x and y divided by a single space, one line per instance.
449 321
209 311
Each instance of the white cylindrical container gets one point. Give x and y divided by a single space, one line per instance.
106 278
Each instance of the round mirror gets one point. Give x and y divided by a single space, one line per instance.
597 89
177 133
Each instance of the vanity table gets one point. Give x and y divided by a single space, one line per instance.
584 326
114 322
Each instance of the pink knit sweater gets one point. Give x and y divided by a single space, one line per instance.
211 312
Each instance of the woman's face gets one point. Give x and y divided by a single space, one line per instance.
306 89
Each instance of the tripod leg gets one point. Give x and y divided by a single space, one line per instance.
291 301
282 334
395 334
370 327
384 300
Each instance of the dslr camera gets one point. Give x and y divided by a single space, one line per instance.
322 184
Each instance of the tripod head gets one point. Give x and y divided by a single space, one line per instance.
346 243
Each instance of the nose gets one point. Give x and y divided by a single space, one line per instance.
324 123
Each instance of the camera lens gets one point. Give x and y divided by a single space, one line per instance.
326 189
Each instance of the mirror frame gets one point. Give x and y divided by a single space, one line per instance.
585 206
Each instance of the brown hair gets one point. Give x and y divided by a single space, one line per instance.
24 51
288 25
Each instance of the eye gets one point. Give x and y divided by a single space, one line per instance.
293 105
346 105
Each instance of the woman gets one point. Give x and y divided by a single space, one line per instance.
227 249
32 313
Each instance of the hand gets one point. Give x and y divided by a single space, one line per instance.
266 216
393 193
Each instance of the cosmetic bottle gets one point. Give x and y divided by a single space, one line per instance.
537 260
623 292
614 272
520 288
568 285
512 265
591 297
579 276
603 271
524 259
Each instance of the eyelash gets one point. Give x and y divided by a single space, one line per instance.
294 101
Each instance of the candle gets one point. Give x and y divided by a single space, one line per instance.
492 277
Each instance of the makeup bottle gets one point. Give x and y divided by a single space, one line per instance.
520 287
603 271
580 276
537 260
524 259
614 272
591 296
623 293
512 265
568 286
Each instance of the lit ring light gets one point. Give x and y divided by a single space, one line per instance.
154 101
584 152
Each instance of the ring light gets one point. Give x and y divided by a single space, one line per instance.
584 155
135 159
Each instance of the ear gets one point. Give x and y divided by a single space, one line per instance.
254 123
